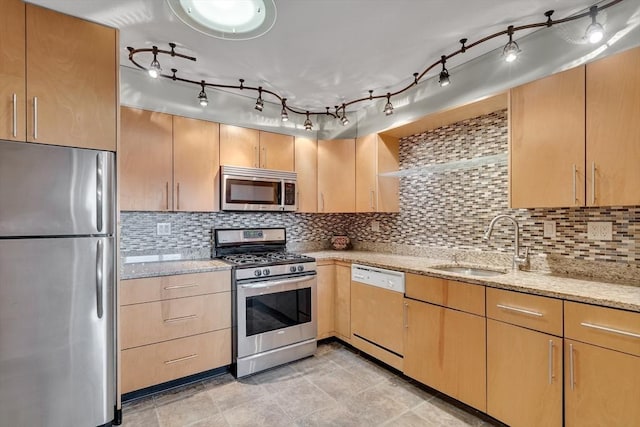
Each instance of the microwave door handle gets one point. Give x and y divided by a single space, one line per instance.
283 194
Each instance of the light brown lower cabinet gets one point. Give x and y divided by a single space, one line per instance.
343 301
446 349
524 376
326 298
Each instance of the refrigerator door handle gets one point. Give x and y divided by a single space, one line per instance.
99 186
99 278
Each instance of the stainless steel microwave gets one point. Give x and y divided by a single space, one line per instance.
250 189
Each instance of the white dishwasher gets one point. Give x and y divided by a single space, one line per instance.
377 312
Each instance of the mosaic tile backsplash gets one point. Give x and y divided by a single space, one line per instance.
445 209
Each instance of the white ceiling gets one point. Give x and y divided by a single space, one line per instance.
322 52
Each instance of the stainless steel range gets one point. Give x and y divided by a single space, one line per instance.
274 314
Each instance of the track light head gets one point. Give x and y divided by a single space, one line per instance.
444 74
595 31
307 124
388 108
344 119
202 96
154 68
284 115
259 101
511 49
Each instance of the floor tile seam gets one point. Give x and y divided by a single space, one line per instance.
319 388
294 420
390 420
336 404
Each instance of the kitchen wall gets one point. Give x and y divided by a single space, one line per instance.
445 206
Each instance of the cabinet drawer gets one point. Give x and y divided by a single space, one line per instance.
157 363
152 322
530 311
135 291
447 293
605 327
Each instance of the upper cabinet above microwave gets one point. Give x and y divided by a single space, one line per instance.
256 149
574 136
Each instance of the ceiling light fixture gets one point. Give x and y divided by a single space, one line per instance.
344 120
595 31
511 49
510 53
202 96
388 108
307 123
284 115
444 74
154 68
259 101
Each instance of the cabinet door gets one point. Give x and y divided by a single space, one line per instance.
366 171
72 80
602 387
195 165
524 376
613 130
326 300
306 161
547 141
446 349
336 175
276 151
145 160
388 193
12 70
239 146
343 301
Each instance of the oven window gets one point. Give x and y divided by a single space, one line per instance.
252 192
278 310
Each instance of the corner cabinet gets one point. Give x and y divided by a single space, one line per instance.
375 155
336 175
67 83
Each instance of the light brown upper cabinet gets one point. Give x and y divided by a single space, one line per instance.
547 141
613 130
196 165
306 161
336 175
167 163
64 90
251 148
375 155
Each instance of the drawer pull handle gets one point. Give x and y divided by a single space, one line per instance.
180 359
180 319
612 330
519 310
572 378
405 315
190 285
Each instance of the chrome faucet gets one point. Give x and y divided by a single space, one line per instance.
518 260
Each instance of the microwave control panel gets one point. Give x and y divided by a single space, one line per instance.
289 194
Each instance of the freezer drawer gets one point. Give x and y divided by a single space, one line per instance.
47 190
57 357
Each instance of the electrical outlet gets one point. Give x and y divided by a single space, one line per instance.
599 231
375 226
163 228
549 228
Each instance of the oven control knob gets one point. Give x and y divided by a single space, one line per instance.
292 269
266 272
257 273
300 268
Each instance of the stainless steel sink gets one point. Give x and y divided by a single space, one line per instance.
469 271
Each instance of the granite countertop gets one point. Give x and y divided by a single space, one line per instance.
168 268
545 284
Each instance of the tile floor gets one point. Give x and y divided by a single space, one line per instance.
336 387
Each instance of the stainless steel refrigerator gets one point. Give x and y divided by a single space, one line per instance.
57 286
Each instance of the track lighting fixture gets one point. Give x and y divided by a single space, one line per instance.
511 49
444 74
388 108
202 96
593 34
284 115
595 31
154 68
307 123
259 101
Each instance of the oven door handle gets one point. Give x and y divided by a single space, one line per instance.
271 283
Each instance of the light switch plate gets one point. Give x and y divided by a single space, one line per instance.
375 226
549 228
600 231
163 229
